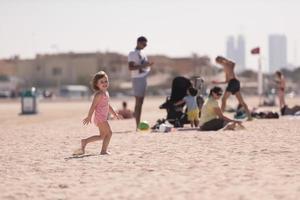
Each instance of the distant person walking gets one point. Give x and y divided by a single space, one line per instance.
139 67
233 86
280 81
100 108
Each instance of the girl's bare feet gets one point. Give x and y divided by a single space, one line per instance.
81 150
105 153
83 144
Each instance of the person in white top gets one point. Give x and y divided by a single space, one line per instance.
139 67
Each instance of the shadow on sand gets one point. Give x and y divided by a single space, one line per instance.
81 156
123 132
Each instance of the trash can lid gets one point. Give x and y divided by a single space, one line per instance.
27 93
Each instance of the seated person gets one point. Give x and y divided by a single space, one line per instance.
212 118
125 113
285 110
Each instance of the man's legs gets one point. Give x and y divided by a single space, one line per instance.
224 99
242 102
138 109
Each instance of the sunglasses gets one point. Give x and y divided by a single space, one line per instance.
219 94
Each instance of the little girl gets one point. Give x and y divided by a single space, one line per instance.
192 107
101 107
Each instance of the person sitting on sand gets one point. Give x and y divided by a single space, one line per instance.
212 118
285 110
192 106
125 113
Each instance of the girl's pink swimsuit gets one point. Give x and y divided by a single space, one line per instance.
102 109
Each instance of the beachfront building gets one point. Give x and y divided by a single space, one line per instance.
62 69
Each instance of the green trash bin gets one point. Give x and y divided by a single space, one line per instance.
29 101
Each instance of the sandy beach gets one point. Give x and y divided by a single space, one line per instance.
261 162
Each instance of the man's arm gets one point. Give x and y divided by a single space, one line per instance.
133 66
219 82
224 61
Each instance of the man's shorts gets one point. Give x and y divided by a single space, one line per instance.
193 115
139 86
233 86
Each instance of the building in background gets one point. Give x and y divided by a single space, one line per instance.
57 70
277 52
236 51
64 69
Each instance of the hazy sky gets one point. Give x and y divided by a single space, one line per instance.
173 27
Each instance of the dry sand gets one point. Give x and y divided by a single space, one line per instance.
261 162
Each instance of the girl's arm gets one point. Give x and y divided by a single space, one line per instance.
112 111
88 119
179 102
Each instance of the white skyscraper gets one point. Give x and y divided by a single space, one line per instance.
235 50
277 52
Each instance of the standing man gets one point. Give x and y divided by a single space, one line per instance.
233 84
139 67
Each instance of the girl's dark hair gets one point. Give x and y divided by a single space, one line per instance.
193 91
216 90
96 78
278 73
